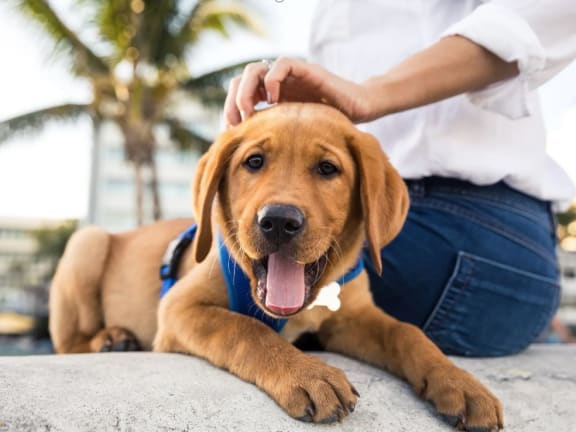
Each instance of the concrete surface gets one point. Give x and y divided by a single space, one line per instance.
170 392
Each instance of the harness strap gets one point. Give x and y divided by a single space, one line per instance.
172 257
239 291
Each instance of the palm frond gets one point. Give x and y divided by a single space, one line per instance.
211 88
34 122
216 15
219 77
156 37
186 138
115 21
85 61
165 30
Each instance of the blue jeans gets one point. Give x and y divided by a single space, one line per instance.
474 267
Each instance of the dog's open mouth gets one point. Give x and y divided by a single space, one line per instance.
284 284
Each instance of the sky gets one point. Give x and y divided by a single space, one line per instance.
47 176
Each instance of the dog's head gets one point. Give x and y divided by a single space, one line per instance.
298 188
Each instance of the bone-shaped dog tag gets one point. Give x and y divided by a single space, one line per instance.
328 296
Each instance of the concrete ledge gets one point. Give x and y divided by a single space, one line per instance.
170 392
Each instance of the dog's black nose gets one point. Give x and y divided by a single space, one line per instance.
280 223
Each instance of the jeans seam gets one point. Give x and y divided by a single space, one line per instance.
546 279
495 201
450 208
440 304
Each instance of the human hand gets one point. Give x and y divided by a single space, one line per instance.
293 80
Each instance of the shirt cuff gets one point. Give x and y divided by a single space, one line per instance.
507 35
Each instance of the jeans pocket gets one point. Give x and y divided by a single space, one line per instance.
491 309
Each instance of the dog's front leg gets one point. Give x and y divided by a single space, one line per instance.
363 331
194 319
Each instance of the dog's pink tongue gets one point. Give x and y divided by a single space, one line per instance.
285 285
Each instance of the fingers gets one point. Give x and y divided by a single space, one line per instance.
283 68
232 115
245 92
250 88
286 79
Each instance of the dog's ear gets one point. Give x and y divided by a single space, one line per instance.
383 194
209 174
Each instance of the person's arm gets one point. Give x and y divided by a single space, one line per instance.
500 39
451 66
539 36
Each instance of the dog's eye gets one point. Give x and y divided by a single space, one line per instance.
327 169
254 162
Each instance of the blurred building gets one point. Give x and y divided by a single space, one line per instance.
567 262
23 274
112 202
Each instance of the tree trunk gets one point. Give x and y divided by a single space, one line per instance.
94 198
139 192
154 189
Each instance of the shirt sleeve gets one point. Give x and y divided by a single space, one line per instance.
539 35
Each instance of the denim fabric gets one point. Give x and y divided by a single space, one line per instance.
474 266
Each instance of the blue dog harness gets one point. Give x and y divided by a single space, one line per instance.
237 283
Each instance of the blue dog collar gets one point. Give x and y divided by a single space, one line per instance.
237 283
353 272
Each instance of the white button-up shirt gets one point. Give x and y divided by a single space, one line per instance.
485 136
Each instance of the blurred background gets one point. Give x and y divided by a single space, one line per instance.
105 107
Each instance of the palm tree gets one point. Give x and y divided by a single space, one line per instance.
149 40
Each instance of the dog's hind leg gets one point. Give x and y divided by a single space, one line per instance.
76 319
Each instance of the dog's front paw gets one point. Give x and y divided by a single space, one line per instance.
462 400
313 391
